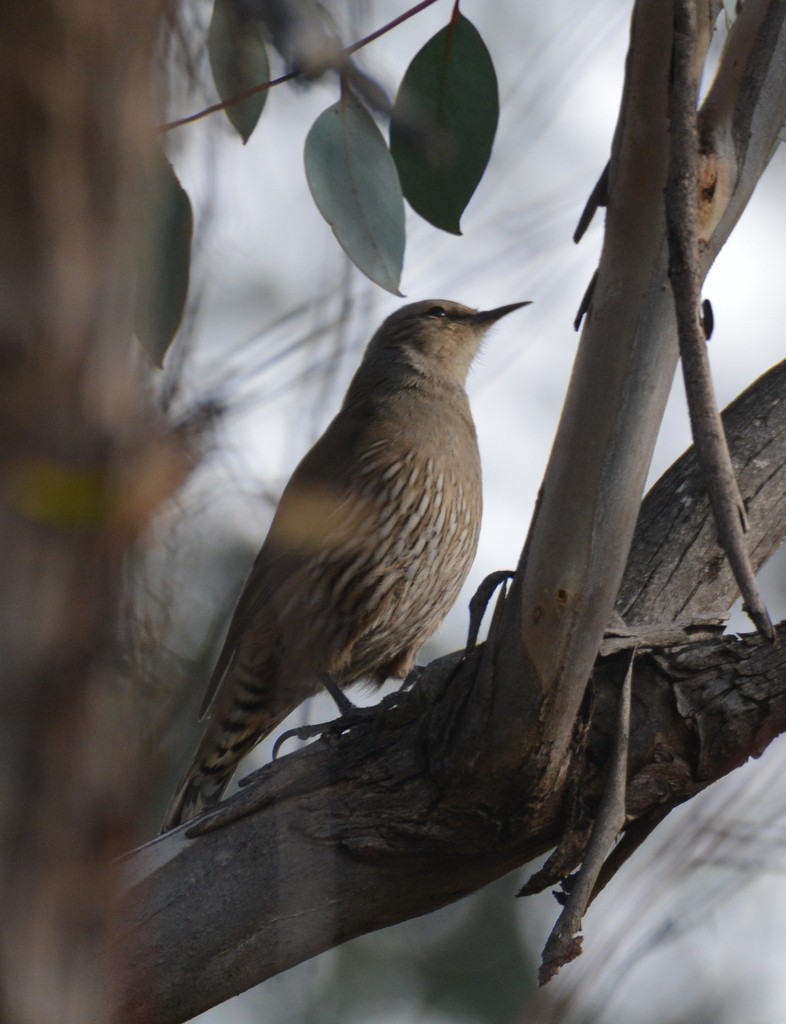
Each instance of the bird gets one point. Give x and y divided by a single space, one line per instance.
372 540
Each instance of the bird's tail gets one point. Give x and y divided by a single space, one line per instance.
225 743
196 793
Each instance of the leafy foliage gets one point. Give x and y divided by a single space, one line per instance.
354 183
163 259
442 129
239 61
444 121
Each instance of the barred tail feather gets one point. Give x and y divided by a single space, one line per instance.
196 793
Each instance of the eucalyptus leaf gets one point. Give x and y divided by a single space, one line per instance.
354 183
443 123
163 258
239 61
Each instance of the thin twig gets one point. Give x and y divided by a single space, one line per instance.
586 302
597 197
226 103
564 943
480 600
264 86
389 26
681 218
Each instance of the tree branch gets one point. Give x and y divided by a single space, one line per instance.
370 838
564 942
676 568
573 562
682 188
364 830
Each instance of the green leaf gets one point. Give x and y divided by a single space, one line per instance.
238 60
443 123
354 183
163 259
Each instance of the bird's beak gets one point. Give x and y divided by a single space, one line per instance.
489 316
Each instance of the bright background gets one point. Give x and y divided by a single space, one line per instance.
694 928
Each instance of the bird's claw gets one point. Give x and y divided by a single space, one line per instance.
353 716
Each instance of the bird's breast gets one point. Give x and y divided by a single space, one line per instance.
383 547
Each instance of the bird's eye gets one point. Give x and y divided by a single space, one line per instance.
437 311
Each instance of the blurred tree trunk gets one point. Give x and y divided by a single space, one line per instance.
74 106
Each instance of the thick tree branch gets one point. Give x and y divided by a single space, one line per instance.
572 565
361 831
676 568
369 836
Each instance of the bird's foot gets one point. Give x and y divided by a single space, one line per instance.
353 716
343 703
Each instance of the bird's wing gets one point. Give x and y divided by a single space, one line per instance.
250 604
319 499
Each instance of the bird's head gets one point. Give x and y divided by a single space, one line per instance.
435 337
